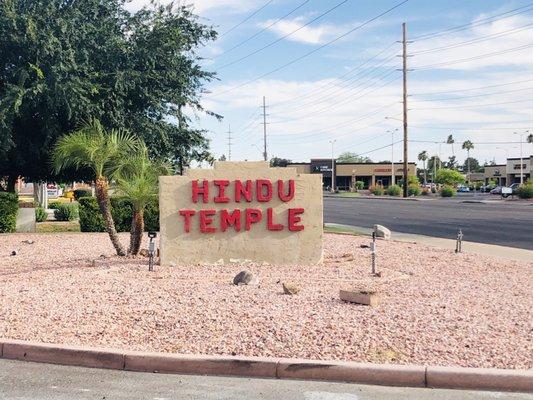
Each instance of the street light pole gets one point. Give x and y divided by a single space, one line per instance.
521 160
393 175
332 167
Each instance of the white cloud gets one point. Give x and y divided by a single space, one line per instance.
304 34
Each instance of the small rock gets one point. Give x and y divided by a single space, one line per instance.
245 278
14 253
103 256
28 241
290 288
382 232
144 253
364 246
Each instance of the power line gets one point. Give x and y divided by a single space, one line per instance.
246 19
478 95
295 60
473 105
461 60
229 142
262 30
283 37
473 41
474 88
483 21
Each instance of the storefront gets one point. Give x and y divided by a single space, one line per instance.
348 173
514 169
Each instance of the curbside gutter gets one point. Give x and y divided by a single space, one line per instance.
276 368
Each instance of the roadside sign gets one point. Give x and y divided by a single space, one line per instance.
507 190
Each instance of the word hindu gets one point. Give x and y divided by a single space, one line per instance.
223 191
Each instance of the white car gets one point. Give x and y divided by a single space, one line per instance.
463 189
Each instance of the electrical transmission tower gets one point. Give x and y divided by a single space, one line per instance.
265 154
229 142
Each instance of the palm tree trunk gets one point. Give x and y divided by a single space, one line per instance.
102 197
136 232
425 173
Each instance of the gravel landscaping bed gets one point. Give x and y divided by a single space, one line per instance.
437 307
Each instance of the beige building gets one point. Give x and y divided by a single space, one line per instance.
505 174
346 173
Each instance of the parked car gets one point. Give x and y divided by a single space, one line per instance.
496 190
487 188
463 189
514 190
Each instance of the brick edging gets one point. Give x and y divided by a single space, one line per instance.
276 368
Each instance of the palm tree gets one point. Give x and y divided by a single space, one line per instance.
137 179
451 141
468 145
423 156
101 151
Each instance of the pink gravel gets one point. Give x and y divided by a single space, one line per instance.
437 308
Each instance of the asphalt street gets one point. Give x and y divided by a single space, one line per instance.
505 224
32 381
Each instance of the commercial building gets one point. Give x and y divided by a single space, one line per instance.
347 173
505 174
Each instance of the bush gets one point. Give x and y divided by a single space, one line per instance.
54 205
425 191
394 190
414 190
359 185
40 214
79 193
122 211
433 189
526 191
9 205
447 191
376 190
449 177
66 212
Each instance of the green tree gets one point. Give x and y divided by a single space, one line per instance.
451 141
65 62
137 179
471 164
349 157
434 162
530 138
468 145
449 177
279 162
102 152
423 156
452 162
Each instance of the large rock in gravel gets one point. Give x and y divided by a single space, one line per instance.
290 288
382 232
245 278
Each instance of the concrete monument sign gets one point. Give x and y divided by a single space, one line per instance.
241 210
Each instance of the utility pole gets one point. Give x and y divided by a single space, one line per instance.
265 154
229 142
405 150
393 173
332 167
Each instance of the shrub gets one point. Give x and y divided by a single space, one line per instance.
394 190
122 211
66 212
359 185
433 189
447 191
9 206
414 190
376 190
526 191
40 214
79 193
91 219
412 180
54 205
425 191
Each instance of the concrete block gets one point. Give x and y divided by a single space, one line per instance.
60 354
480 379
26 220
360 297
200 364
390 375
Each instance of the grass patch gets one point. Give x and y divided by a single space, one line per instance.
57 226
341 229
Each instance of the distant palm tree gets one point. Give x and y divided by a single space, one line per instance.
530 138
423 156
451 141
137 179
102 151
468 145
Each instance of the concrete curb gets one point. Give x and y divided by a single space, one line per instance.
276 368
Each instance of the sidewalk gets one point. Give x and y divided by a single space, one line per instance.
507 253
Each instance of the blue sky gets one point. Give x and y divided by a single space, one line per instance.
344 91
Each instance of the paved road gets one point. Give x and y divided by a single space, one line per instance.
31 381
505 224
